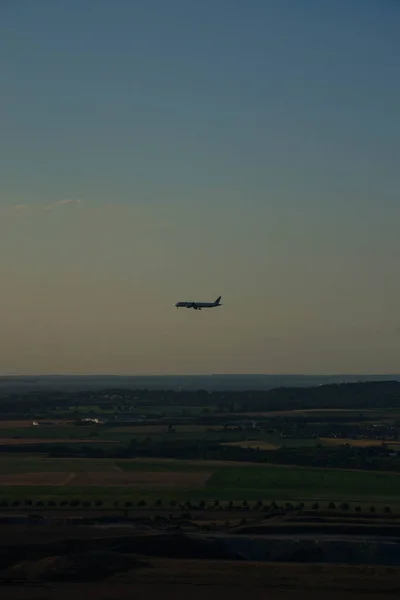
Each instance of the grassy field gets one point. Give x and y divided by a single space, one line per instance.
332 414
65 432
71 433
41 478
44 478
15 433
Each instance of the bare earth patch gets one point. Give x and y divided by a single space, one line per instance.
15 424
196 463
109 478
305 412
24 441
253 444
32 479
140 479
353 442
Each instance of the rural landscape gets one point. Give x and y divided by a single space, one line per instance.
199 310
201 482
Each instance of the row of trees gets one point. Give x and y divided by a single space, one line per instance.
374 458
363 395
187 505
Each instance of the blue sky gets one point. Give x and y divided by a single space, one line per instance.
158 151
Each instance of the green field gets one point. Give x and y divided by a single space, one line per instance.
156 433
227 481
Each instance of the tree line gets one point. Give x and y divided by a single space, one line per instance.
363 395
378 457
202 505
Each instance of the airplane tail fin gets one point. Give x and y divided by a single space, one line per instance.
218 300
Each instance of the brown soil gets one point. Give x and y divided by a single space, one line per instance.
217 580
15 424
177 578
24 441
32 478
149 479
109 478
253 444
356 442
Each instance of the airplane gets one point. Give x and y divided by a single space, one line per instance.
199 305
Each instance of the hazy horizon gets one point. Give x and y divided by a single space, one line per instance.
153 152
198 375
210 382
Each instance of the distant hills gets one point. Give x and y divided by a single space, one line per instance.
177 382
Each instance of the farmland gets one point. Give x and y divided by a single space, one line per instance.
115 571
358 442
197 446
228 478
180 480
263 445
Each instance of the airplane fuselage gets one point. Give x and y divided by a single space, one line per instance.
198 305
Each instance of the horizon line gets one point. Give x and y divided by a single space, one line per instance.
345 374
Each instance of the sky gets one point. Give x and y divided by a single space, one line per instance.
155 151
